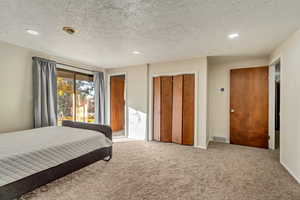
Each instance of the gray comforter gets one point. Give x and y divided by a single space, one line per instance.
28 152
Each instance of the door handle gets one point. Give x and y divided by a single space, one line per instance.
232 110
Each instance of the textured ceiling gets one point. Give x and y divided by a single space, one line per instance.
163 30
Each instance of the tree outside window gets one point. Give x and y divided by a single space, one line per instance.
76 96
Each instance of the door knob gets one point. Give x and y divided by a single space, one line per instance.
232 110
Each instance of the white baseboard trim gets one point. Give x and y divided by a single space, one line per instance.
204 147
291 173
201 147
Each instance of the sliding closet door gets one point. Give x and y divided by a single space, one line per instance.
166 108
183 109
177 109
162 108
174 109
188 111
156 108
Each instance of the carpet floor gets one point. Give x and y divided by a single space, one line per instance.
142 171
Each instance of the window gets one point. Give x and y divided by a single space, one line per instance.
76 96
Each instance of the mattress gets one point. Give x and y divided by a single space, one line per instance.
25 153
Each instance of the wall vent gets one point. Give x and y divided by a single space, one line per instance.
219 139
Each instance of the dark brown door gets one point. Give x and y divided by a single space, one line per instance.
177 109
183 109
117 90
162 118
249 107
188 109
166 108
156 108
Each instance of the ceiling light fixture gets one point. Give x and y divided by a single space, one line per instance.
32 32
233 36
69 30
136 52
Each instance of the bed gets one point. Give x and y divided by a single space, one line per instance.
32 158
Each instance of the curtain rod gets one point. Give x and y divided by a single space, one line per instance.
67 65
75 67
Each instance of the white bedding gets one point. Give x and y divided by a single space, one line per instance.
25 153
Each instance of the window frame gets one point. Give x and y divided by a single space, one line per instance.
74 85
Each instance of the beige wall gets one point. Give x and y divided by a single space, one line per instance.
289 52
15 88
16 100
218 102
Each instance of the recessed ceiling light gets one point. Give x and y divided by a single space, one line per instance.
32 32
233 35
136 52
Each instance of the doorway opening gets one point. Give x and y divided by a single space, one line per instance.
117 105
277 105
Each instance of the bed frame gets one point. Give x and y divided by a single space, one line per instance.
18 188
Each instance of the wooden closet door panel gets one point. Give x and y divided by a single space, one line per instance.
166 109
177 109
156 108
188 109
